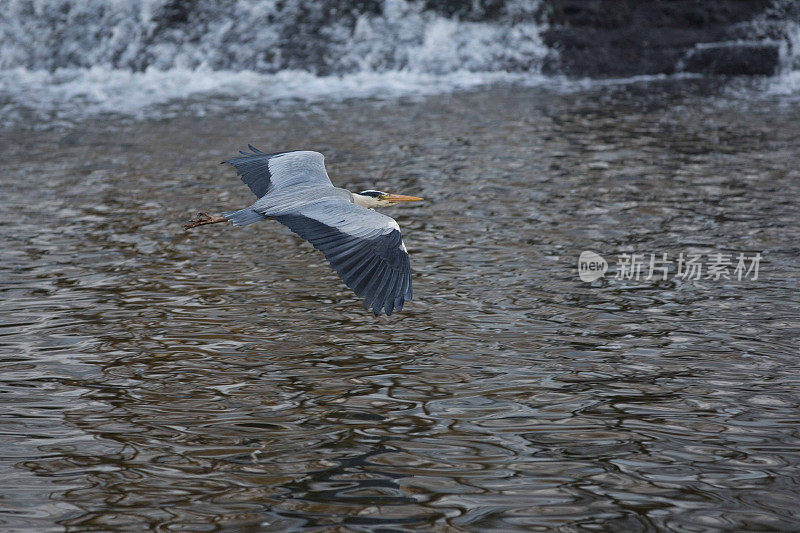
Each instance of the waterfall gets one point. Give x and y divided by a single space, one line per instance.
87 56
268 36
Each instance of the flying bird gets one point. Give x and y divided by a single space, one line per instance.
363 246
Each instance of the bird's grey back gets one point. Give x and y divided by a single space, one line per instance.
289 199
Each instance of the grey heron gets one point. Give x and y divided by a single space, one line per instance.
363 246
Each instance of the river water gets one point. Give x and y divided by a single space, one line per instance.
225 379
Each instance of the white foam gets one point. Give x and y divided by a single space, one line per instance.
76 93
781 22
788 80
404 36
787 83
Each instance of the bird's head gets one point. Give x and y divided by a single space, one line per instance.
372 199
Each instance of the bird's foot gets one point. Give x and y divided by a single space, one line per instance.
202 219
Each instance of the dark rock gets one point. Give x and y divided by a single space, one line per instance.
467 9
732 59
631 37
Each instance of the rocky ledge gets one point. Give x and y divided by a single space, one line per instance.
609 38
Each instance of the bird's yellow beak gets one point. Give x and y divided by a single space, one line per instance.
400 198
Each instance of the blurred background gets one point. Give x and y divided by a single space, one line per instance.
62 59
226 380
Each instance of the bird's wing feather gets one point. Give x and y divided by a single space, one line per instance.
265 172
364 247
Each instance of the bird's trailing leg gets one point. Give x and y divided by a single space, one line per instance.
202 219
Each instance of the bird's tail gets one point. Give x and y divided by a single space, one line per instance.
243 217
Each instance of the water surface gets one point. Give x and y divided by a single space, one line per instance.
224 379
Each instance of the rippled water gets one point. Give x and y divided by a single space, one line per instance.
225 379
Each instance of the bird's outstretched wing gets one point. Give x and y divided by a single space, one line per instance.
265 172
364 247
